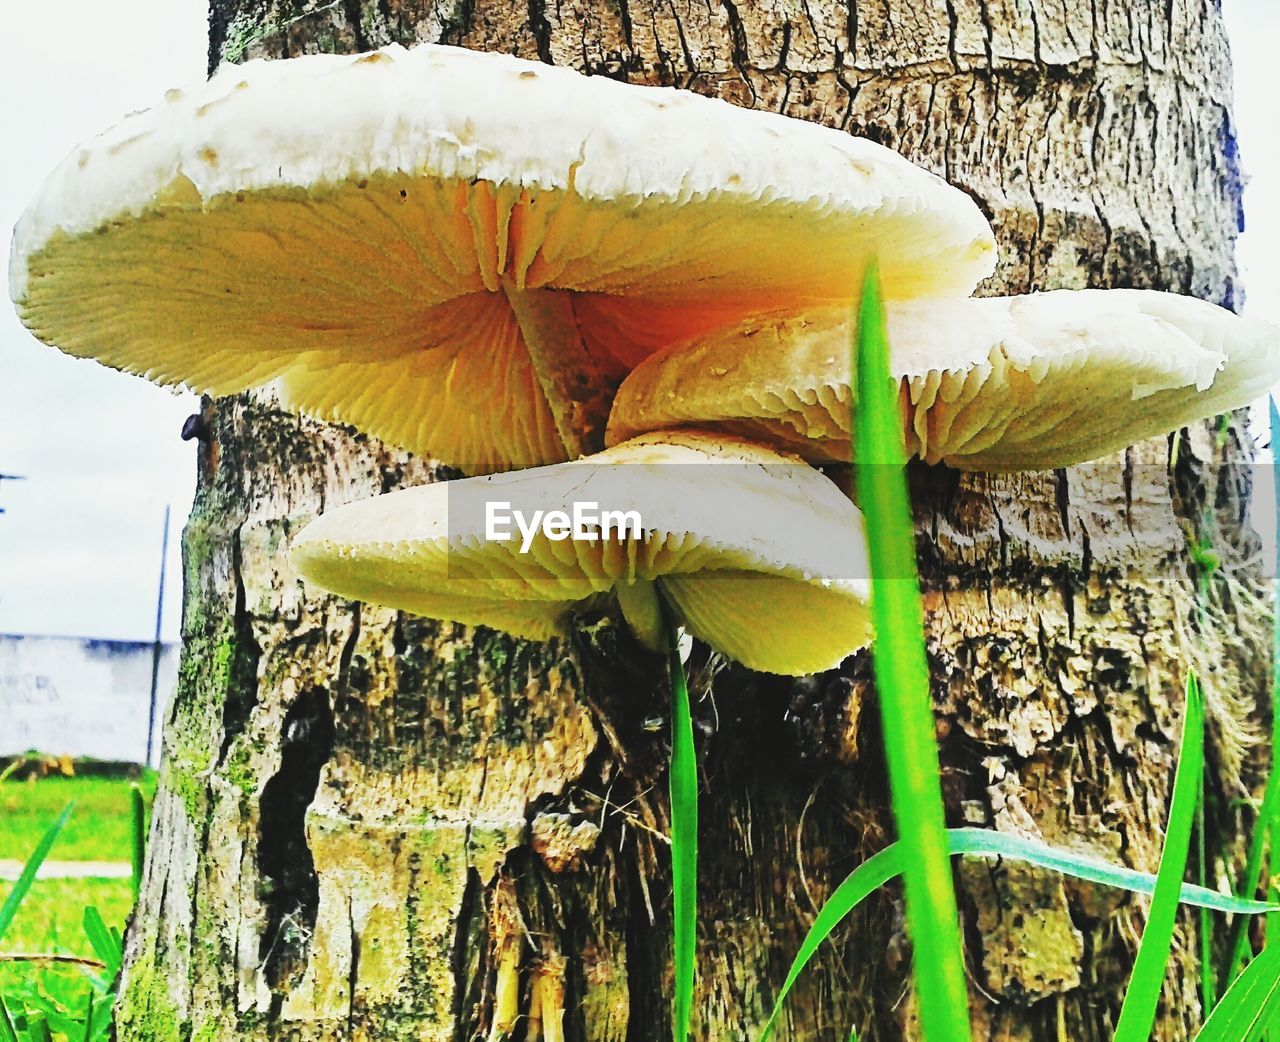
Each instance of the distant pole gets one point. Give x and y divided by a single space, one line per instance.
156 646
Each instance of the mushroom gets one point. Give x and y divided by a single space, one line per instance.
757 554
462 253
1002 383
507 929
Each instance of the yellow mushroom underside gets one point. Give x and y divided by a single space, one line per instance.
356 228
384 307
1040 381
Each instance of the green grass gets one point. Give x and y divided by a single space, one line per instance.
50 916
48 1001
902 681
100 829
51 921
1251 1005
684 837
1138 1012
888 864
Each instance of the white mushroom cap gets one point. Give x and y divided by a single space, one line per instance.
1001 383
353 224
759 555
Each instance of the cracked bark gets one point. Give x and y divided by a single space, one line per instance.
1062 615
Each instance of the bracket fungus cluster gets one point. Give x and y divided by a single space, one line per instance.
385 240
507 266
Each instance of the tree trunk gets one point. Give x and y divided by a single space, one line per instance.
366 819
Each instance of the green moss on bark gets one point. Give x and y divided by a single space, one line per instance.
147 1012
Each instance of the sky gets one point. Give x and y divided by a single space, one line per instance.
80 538
1254 30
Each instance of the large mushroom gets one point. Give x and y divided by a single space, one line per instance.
757 554
462 253
1003 383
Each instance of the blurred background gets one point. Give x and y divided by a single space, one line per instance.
95 457
98 454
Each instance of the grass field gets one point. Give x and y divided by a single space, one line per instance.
50 919
98 830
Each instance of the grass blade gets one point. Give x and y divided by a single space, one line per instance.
102 942
865 880
684 836
902 680
885 866
88 1020
28 876
1250 1005
102 1018
1238 948
8 1033
989 843
138 807
1208 992
1138 1011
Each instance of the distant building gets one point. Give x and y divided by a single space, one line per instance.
79 697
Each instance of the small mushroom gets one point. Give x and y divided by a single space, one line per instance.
507 930
461 253
757 554
1003 383
547 997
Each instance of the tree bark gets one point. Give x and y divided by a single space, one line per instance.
363 815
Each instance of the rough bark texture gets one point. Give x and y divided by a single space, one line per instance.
362 814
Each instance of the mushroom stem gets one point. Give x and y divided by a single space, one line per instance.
507 944
506 994
639 603
572 381
548 995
